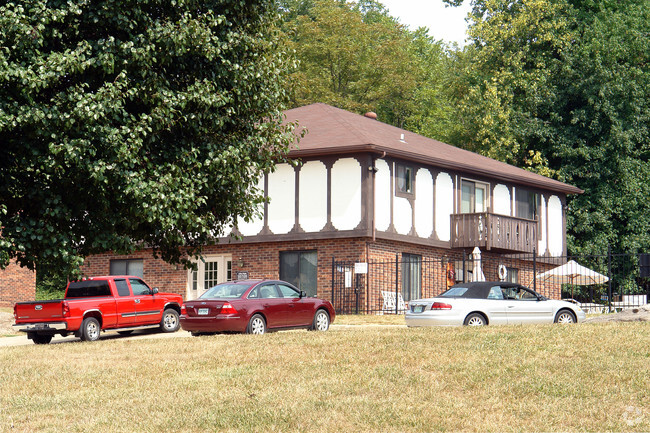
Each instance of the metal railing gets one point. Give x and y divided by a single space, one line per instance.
386 286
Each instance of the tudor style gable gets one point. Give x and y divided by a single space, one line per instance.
358 177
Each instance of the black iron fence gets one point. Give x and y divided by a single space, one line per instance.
598 283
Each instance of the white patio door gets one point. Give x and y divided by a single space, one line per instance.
212 270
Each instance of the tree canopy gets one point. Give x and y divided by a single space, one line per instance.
134 123
561 87
357 57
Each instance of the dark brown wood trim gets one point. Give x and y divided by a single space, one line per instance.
266 229
455 166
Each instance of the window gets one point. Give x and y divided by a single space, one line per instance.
88 289
288 292
473 197
127 267
300 269
527 203
512 275
404 179
139 287
454 292
122 288
411 276
268 292
226 291
211 274
495 293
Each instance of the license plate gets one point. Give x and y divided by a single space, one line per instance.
418 308
203 311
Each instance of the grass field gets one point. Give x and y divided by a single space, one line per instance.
590 377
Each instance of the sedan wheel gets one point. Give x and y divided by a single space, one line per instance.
321 321
565 316
257 325
475 319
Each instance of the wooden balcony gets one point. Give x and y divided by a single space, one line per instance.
493 232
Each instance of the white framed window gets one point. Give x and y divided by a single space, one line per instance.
473 196
212 270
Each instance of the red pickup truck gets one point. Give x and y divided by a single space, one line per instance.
120 303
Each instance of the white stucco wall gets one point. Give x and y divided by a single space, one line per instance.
282 199
254 227
382 195
501 200
424 203
402 215
555 226
444 202
346 194
312 204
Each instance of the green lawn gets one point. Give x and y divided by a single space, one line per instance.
590 377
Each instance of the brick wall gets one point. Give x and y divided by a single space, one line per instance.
262 260
17 284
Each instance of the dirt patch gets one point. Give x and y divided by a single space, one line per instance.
6 320
636 314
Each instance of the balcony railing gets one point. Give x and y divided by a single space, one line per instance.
492 231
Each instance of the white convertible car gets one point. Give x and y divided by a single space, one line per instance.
490 303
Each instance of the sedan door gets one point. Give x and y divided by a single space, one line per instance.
523 306
300 311
273 305
495 307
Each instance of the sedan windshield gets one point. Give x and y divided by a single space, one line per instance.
227 291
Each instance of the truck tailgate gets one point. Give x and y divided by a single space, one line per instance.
43 311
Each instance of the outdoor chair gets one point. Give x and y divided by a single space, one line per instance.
388 306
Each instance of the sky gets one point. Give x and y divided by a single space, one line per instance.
446 23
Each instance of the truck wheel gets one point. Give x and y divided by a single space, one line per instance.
41 339
90 329
169 321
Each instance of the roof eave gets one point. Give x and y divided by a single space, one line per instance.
545 183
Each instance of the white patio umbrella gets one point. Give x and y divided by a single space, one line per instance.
477 272
572 273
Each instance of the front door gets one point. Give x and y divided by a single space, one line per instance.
212 270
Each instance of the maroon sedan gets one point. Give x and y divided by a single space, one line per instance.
255 306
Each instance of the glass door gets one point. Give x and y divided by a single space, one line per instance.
212 270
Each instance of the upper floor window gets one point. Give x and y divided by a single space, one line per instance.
473 196
527 203
404 179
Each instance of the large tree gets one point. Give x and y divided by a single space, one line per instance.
134 123
561 87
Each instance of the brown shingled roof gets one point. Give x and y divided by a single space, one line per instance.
331 130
